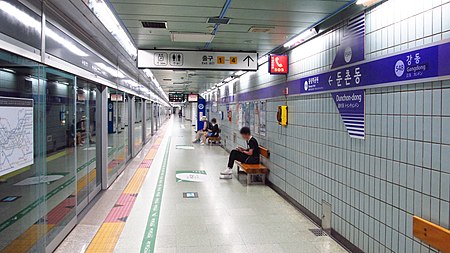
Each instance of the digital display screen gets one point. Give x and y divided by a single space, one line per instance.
176 97
193 98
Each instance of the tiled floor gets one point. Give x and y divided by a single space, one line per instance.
228 216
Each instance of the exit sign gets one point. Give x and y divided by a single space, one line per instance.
278 64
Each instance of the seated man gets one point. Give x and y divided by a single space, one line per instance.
206 125
213 131
248 155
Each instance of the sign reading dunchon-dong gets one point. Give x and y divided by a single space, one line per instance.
423 63
207 60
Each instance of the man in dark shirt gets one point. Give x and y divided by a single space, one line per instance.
248 155
212 131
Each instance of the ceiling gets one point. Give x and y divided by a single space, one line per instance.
285 18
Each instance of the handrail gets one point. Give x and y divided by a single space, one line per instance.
432 234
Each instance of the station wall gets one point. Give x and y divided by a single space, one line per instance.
401 169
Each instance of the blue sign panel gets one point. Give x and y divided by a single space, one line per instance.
351 106
351 49
200 113
429 62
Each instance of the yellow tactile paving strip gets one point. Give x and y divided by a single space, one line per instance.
135 184
106 238
108 235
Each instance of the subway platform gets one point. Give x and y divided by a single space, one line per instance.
170 199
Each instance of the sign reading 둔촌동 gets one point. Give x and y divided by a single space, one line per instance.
208 60
423 63
16 134
351 107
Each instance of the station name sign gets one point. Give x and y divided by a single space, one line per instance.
206 60
409 67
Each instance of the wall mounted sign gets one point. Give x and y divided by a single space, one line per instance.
190 175
351 48
351 107
423 63
167 59
278 64
201 111
16 138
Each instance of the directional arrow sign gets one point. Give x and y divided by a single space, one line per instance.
248 59
207 60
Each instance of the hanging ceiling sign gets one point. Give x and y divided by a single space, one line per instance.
207 60
351 107
278 64
423 63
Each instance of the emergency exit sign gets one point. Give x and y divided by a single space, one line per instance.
206 60
278 64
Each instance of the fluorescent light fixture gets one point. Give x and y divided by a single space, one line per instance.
367 3
109 20
191 37
239 73
30 78
302 37
228 79
29 21
8 70
263 60
149 74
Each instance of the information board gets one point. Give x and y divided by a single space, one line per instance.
16 134
208 60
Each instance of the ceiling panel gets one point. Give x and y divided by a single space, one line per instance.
287 18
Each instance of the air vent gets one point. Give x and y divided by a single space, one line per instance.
260 29
154 24
318 232
218 20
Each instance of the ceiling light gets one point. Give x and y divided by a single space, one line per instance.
228 79
260 29
109 20
191 37
302 37
239 73
263 60
8 70
367 3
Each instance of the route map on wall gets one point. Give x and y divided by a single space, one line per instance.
16 134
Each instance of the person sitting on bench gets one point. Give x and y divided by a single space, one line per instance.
249 155
213 131
199 134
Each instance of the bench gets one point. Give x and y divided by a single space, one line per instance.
255 170
215 139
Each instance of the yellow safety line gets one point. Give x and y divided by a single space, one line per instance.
106 238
